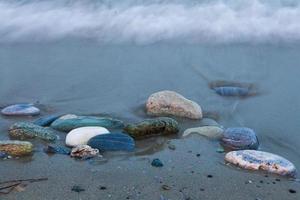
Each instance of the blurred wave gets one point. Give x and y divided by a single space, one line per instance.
145 22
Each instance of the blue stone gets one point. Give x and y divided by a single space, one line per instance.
239 138
20 110
157 163
52 149
46 121
3 155
112 142
231 91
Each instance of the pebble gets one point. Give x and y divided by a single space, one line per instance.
46 121
84 152
151 127
82 135
171 103
231 91
3 155
24 130
112 142
77 188
211 132
24 109
157 163
166 187
69 122
52 149
259 160
239 138
16 148
172 147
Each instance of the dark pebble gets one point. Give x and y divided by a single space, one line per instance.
277 179
157 163
292 191
202 189
198 155
3 155
166 187
77 188
102 188
209 176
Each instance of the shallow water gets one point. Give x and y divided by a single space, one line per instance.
67 72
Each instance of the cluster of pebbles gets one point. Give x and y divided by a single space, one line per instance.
89 135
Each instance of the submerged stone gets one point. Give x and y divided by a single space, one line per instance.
84 152
46 121
16 148
150 127
259 160
212 132
239 138
112 142
231 91
157 163
82 135
171 103
53 149
69 122
3 155
24 130
20 110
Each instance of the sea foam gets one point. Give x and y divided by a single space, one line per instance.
146 22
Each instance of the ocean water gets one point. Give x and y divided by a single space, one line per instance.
106 57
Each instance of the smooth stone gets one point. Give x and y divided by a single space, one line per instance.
209 122
259 160
67 123
3 155
112 142
231 91
53 149
151 127
212 132
46 121
20 110
16 148
84 152
82 135
239 138
24 130
157 163
171 103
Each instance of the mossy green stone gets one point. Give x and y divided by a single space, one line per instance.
150 127
24 130
16 148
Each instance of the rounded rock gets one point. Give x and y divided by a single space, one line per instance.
112 142
84 152
171 103
24 109
151 127
81 136
212 132
239 138
259 160
69 122
16 148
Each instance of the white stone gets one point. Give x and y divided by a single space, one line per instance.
82 135
212 132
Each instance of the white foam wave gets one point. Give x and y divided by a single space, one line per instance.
216 21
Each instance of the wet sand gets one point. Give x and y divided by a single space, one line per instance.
86 78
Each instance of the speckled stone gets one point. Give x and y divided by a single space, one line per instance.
151 127
25 130
16 148
259 160
239 138
171 103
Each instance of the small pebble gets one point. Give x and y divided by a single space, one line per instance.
102 188
292 191
157 163
165 187
77 188
172 147
209 176
198 155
